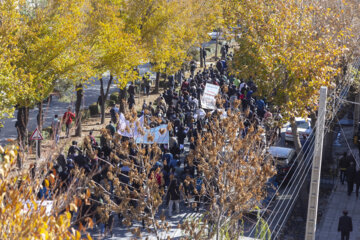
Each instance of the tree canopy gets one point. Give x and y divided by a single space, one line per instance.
289 49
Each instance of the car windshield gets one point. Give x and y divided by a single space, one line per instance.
302 124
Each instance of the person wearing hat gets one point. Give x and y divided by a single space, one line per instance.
345 226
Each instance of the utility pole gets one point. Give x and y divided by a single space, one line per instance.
316 168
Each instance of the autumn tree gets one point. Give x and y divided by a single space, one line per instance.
233 169
22 213
9 28
169 28
289 50
44 33
112 46
348 20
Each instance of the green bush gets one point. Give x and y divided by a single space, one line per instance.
94 110
110 103
85 114
114 96
163 84
47 132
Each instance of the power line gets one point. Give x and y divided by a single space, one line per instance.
348 101
283 181
298 191
347 143
292 188
337 106
345 90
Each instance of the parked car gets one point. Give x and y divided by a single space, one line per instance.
303 127
283 159
216 35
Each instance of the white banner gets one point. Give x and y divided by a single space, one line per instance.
128 129
160 135
208 100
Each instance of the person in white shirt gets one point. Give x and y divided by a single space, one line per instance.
55 126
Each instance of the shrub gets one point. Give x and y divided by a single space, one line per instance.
110 103
114 96
94 110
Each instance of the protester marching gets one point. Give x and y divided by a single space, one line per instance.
165 132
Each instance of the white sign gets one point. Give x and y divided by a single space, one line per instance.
160 135
28 205
128 129
208 100
36 135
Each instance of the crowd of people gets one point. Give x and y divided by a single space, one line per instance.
180 105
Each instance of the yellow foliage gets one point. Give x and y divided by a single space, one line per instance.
70 41
22 217
169 28
289 49
38 47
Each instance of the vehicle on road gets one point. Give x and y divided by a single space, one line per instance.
216 35
283 158
303 127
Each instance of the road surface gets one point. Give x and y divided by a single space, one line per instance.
91 94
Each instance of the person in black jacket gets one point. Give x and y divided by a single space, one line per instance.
357 182
343 165
345 226
350 175
204 55
73 149
174 196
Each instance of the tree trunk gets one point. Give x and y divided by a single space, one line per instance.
102 105
122 99
40 116
40 124
217 45
313 118
79 97
157 83
104 96
165 78
21 125
295 134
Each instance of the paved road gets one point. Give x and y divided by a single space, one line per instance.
91 94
